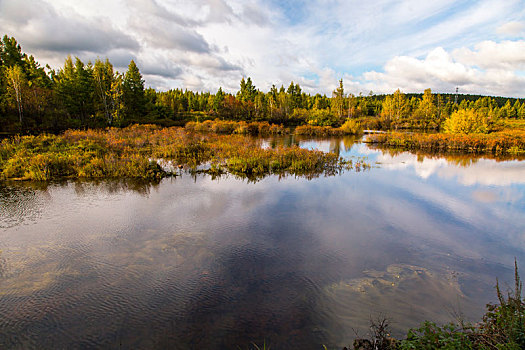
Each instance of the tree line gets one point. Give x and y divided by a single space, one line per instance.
91 95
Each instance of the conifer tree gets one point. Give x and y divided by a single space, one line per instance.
338 100
133 93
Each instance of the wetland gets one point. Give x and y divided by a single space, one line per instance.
294 261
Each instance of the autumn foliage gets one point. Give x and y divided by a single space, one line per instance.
497 143
152 152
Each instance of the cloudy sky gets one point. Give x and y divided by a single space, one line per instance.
376 45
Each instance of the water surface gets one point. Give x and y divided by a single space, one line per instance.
193 262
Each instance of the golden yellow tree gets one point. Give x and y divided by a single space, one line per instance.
16 80
396 105
466 121
427 109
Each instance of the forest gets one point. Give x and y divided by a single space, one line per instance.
79 95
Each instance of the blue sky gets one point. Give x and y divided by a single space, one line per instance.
377 46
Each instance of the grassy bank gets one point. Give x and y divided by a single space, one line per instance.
153 152
506 142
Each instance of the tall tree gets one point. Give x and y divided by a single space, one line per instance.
294 92
75 90
426 108
11 53
84 86
396 105
338 100
103 78
133 93
218 100
16 80
117 99
247 91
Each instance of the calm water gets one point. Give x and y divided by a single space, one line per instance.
193 262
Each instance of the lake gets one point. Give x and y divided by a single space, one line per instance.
226 263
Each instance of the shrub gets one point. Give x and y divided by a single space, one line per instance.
351 127
466 121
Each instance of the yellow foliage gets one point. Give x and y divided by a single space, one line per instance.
466 121
351 127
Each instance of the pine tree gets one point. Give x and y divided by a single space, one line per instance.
133 93
338 100
247 91
217 100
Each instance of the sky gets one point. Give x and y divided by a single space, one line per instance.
201 45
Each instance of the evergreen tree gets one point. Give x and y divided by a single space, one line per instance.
65 88
133 93
85 92
11 53
295 97
218 100
338 100
116 100
247 91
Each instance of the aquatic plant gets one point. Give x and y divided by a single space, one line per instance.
502 327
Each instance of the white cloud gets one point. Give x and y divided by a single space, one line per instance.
508 55
378 45
513 28
491 68
42 28
487 172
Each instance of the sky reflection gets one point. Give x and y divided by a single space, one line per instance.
222 263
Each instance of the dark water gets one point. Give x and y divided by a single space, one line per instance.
198 263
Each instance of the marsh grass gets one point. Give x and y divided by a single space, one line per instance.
138 152
228 127
506 142
350 127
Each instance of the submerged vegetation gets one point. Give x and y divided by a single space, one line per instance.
502 327
150 151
